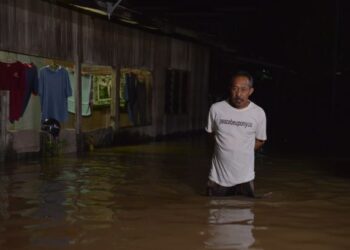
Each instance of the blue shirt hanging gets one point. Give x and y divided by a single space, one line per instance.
54 89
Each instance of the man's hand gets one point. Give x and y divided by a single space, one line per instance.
258 144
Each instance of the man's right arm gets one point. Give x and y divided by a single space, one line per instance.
210 121
210 127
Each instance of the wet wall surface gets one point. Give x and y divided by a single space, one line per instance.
151 197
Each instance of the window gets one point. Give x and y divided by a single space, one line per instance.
176 91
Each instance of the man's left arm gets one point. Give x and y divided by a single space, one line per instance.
260 134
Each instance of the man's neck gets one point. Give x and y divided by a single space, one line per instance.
239 107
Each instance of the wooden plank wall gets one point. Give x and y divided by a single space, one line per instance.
42 29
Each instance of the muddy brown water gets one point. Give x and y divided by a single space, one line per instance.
151 197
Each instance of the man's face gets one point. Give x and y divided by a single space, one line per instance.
240 91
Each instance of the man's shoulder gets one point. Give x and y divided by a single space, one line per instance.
218 105
257 110
256 107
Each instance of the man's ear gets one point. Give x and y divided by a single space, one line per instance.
251 91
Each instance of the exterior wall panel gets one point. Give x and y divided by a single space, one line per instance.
42 29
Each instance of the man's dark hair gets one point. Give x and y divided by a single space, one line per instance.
243 73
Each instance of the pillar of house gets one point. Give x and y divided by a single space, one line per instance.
4 114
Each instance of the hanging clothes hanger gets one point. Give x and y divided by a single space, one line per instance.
53 65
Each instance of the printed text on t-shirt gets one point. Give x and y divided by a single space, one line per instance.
236 123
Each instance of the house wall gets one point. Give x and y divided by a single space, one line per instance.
46 30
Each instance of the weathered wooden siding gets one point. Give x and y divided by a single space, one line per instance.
36 28
39 28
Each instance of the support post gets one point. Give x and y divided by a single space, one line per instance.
4 114
78 96
77 50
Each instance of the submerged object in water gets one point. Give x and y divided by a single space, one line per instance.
52 126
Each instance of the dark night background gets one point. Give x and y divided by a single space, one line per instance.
303 49
297 51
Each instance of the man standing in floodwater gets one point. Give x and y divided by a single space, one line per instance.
239 128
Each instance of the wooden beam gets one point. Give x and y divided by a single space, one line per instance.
115 97
4 114
77 50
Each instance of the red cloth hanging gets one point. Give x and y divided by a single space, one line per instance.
13 78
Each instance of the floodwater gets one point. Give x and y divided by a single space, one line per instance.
151 197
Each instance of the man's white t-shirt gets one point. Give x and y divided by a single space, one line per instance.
235 133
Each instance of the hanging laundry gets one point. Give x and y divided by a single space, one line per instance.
31 84
136 95
141 103
148 80
123 94
130 96
85 94
102 85
54 90
12 78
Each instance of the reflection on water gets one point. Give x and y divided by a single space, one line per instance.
230 225
151 197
